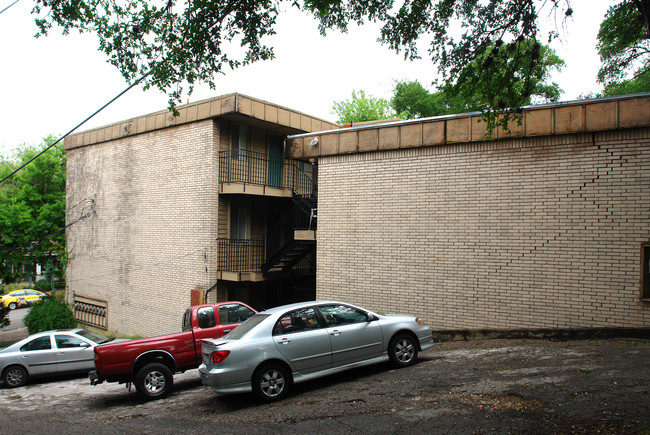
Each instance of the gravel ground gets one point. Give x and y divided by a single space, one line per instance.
501 386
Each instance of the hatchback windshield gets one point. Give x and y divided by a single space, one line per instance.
249 324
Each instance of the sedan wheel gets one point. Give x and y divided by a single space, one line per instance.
12 306
15 376
154 381
271 383
402 350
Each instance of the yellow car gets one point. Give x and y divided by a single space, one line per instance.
21 298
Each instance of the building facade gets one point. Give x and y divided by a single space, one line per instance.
164 212
545 227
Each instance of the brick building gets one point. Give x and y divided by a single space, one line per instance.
163 212
547 226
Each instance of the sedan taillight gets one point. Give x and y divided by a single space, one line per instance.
218 356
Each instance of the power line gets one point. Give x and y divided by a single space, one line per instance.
78 125
9 6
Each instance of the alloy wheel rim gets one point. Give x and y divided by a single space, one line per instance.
404 350
272 383
154 381
14 377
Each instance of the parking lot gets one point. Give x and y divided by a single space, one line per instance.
502 386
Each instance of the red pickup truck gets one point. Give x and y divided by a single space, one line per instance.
149 363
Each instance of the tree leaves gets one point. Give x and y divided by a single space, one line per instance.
623 43
177 45
32 210
362 108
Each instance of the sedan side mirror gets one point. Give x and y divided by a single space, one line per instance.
371 317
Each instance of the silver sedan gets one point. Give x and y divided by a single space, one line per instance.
49 353
295 343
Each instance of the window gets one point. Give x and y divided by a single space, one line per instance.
342 315
234 313
187 320
68 341
240 141
40 343
304 319
645 272
238 222
206 317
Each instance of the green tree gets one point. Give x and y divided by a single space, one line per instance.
32 210
525 83
624 48
362 108
183 43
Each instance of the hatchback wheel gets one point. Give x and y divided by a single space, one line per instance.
154 381
15 376
403 350
271 382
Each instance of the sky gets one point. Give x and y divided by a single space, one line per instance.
51 84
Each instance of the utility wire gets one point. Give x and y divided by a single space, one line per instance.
78 125
9 6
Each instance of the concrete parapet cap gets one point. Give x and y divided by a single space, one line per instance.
629 111
230 104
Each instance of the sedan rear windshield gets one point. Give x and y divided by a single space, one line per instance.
249 324
97 338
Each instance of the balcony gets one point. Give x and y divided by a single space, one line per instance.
252 173
240 260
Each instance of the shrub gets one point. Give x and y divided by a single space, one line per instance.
4 316
43 285
50 313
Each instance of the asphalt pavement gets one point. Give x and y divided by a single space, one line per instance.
537 386
16 330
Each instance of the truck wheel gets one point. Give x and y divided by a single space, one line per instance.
154 381
15 376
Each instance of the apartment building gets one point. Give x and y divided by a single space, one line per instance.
164 212
545 227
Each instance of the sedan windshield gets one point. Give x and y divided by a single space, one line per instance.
92 336
249 324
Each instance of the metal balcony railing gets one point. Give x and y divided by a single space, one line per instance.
250 167
240 255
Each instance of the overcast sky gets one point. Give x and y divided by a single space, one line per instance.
51 84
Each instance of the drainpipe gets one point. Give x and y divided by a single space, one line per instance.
205 296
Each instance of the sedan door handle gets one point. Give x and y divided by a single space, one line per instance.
336 332
284 341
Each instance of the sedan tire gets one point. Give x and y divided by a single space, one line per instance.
154 381
14 376
402 350
271 382
12 306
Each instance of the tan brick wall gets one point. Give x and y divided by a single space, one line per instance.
522 233
152 239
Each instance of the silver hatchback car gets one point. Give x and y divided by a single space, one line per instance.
295 343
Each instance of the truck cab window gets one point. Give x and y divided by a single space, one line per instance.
206 317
